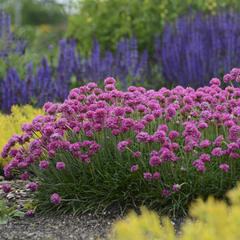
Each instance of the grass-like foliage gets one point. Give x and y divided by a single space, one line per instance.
160 149
215 220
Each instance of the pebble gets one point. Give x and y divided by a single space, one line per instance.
10 196
1 178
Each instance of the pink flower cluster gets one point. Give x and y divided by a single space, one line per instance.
137 119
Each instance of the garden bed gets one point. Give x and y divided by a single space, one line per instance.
51 227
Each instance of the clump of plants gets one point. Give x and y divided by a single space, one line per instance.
7 213
11 124
212 220
161 149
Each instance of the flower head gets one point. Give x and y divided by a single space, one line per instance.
55 199
6 188
166 192
60 165
175 187
156 175
224 167
147 176
134 168
44 165
32 186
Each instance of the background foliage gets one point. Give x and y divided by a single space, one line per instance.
109 21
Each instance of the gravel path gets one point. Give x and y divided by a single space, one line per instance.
49 227
56 228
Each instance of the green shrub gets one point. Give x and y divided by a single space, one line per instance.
109 21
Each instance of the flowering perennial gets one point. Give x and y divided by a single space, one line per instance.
163 138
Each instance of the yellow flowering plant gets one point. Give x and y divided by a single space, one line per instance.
11 124
213 220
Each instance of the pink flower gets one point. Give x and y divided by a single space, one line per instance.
215 81
155 161
92 85
167 155
60 165
205 157
156 175
109 87
175 187
122 145
217 152
235 72
227 78
109 80
24 176
205 143
6 188
55 199
44 165
173 135
29 213
115 132
162 127
137 154
118 111
147 176
134 168
142 137
32 186
166 192
200 167
170 112
218 141
224 167
202 125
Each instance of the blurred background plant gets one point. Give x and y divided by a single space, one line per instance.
109 21
53 46
38 21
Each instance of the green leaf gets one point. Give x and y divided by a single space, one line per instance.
17 213
4 219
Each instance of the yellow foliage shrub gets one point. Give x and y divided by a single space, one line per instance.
11 124
214 220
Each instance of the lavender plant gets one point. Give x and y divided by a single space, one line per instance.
9 44
199 47
52 80
158 148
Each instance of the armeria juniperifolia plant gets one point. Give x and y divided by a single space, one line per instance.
102 148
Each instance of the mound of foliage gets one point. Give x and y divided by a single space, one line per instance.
158 148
